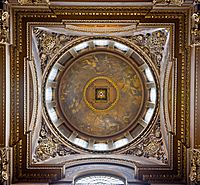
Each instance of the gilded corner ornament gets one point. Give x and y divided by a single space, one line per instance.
3 165
4 26
195 166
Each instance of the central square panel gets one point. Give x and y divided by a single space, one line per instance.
101 94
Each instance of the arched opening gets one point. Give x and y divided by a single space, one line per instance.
100 179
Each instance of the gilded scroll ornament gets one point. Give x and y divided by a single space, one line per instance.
3 165
195 166
169 2
49 146
151 146
4 26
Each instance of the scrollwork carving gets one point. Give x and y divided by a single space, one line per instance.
4 26
49 146
151 146
3 165
195 166
152 44
49 44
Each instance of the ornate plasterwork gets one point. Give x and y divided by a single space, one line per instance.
16 64
150 146
152 43
169 2
195 29
24 2
3 165
49 43
49 146
4 26
195 166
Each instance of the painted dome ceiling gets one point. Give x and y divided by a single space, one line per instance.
100 94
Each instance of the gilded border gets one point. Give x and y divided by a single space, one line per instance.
2 93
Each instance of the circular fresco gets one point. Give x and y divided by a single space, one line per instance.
101 94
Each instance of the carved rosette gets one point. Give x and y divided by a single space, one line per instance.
195 166
49 146
3 165
4 26
150 146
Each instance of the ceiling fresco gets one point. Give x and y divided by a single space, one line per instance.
93 90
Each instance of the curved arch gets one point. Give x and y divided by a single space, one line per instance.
96 178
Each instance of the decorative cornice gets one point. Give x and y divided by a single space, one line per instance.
195 166
3 165
4 26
